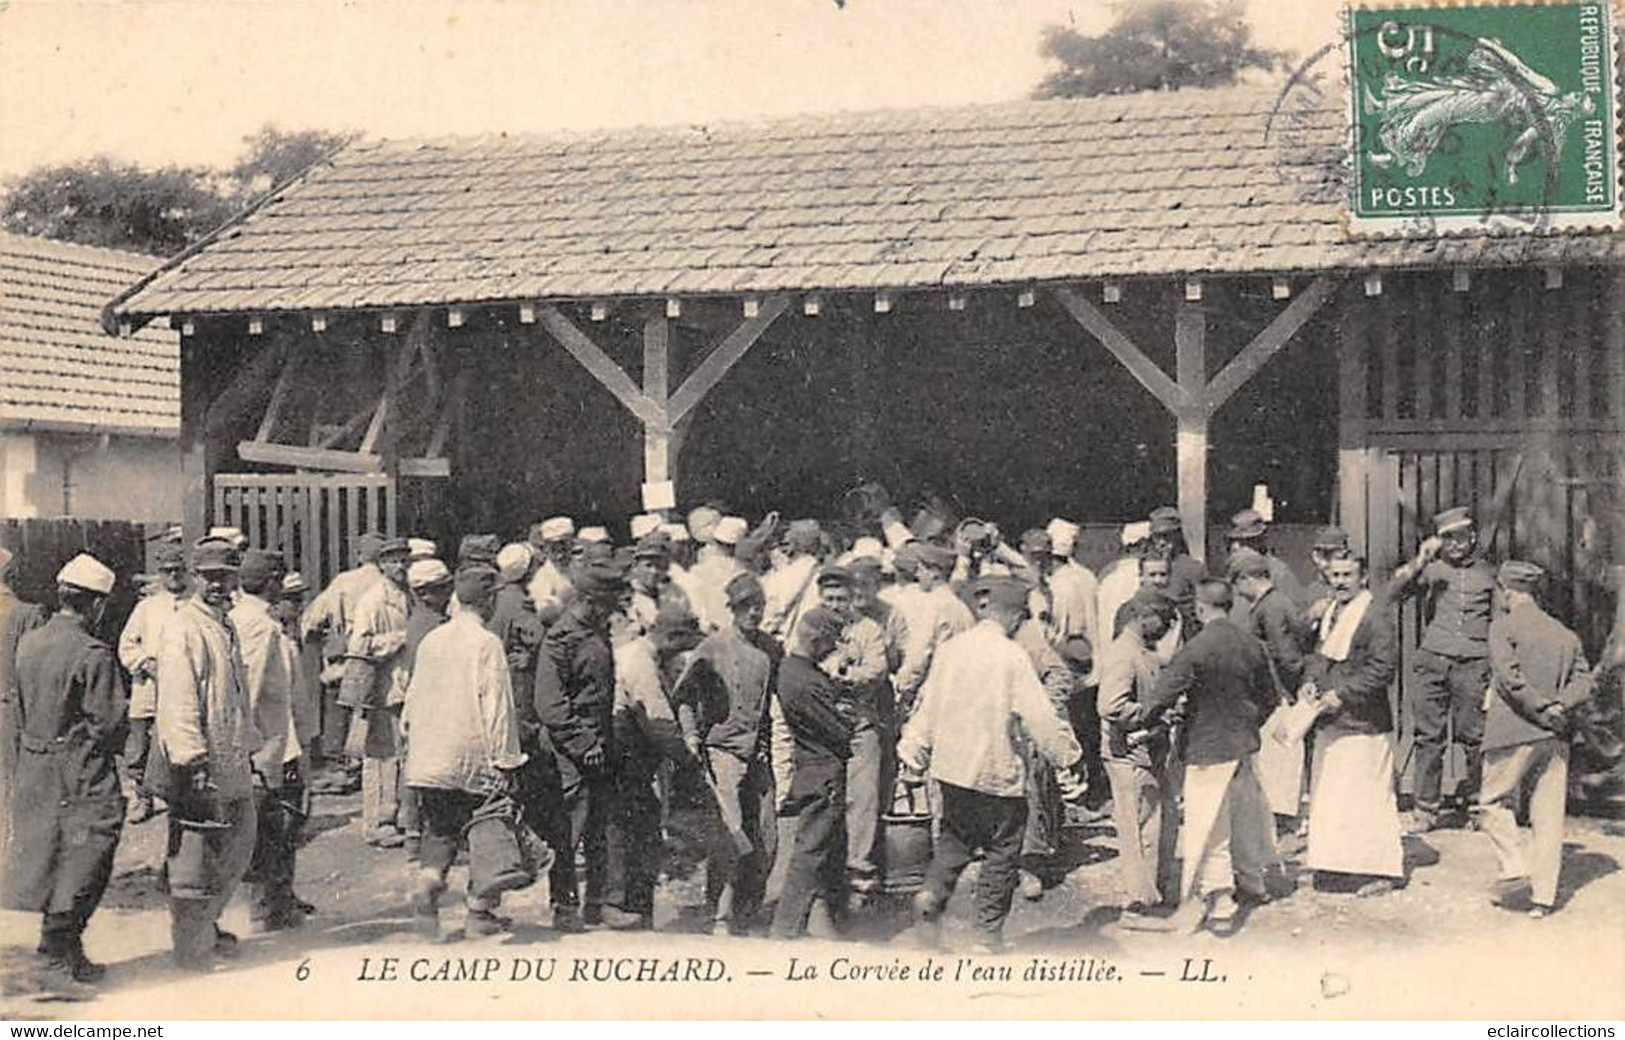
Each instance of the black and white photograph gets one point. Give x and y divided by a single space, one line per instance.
811 509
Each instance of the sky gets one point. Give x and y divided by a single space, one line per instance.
184 81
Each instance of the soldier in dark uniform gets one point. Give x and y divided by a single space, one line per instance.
1541 676
1453 663
575 701
1249 530
820 721
17 617
1168 542
66 805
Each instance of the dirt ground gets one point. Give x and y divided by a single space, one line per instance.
1435 949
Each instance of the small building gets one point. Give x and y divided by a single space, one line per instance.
89 426
1080 308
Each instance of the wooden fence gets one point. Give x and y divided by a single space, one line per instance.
314 519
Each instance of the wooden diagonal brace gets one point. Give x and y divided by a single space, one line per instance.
1142 368
727 354
279 393
600 366
1268 343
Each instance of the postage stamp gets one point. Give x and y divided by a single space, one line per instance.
1482 117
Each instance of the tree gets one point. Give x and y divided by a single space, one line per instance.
98 202
1155 45
274 157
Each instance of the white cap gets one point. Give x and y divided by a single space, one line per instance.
514 560
421 549
555 528
234 535
293 581
863 548
702 523
423 573
1138 531
642 524
594 534
676 532
730 529
86 572
897 535
1063 536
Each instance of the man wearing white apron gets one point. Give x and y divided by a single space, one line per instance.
1354 828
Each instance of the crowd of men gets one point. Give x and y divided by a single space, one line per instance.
538 706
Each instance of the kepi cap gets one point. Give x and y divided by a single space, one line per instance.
474 584
424 573
729 530
215 554
557 528
421 549
394 547
1521 575
742 588
594 534
600 580
1246 524
513 561
1165 520
936 556
1454 519
1003 592
294 583
820 623
642 524
1331 538
834 574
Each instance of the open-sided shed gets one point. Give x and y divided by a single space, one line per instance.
1083 307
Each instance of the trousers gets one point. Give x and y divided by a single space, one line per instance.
1229 839
380 793
276 838
736 871
866 777
1147 821
1540 772
1449 703
817 867
634 846
972 820
193 919
581 820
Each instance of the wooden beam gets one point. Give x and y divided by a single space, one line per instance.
1142 368
1268 343
599 365
448 412
425 467
309 458
279 393
656 377
1191 437
348 427
717 363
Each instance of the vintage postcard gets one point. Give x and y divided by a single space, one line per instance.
811 509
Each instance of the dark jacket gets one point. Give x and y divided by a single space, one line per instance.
1362 681
67 809
1225 677
575 688
513 620
1274 621
1534 661
808 698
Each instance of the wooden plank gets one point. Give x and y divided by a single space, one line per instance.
309 458
599 364
291 500
1423 330
391 519
1446 492
1487 335
1452 320
1517 302
335 540
1268 343
1352 478
251 513
448 412
279 393
310 541
656 378
220 509
1553 321
716 364
352 522
349 426
1142 368
1388 343
430 466
1191 438
1614 344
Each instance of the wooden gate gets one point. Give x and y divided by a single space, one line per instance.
313 518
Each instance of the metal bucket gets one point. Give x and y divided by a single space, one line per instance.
905 835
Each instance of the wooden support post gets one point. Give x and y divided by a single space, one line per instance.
1268 343
657 455
1190 446
279 393
1353 457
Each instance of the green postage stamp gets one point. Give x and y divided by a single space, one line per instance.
1482 117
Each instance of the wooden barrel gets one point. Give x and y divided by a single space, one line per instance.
905 834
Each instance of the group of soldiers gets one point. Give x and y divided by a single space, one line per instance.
542 705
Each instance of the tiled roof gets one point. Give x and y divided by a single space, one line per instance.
58 370
1190 182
